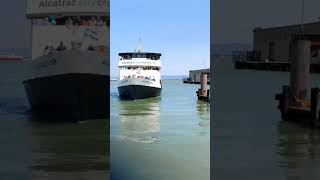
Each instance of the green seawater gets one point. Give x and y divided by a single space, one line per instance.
166 137
250 140
39 150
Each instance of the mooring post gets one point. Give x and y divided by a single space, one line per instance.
203 93
300 70
204 81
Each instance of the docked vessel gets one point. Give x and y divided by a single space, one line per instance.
140 75
69 70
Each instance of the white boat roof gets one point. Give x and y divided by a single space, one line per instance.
42 8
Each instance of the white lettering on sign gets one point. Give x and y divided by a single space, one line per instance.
63 6
139 63
72 3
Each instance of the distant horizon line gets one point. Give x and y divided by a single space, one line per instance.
233 43
161 76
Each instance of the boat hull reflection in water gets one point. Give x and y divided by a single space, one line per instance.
140 122
70 151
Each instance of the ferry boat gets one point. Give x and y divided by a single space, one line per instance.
139 74
69 70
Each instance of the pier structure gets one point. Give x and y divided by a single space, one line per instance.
296 102
273 48
204 93
195 76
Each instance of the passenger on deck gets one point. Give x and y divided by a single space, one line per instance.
76 21
45 21
69 22
91 22
91 48
84 22
51 50
45 50
52 20
61 47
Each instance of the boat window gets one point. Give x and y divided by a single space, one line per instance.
126 57
72 20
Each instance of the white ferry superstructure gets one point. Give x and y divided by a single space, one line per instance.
140 75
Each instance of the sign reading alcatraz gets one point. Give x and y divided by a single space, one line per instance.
66 6
140 63
72 3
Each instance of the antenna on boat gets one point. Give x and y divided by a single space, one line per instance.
302 17
140 46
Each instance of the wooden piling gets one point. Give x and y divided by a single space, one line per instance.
294 103
299 73
204 80
203 93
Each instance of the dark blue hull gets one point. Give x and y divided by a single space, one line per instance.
72 97
134 92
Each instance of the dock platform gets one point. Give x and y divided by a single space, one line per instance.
271 66
193 82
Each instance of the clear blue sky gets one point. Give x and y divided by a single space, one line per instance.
178 29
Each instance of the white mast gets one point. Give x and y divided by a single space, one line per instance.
302 18
140 46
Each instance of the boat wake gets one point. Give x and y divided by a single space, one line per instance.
142 140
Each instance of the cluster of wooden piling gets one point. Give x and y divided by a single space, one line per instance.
294 101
